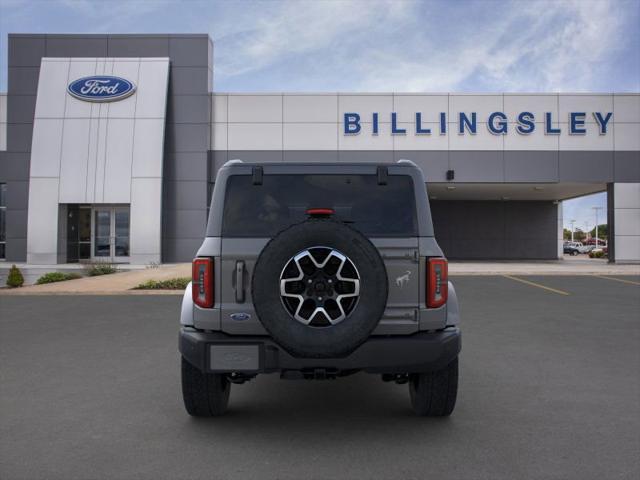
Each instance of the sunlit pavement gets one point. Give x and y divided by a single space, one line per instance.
549 388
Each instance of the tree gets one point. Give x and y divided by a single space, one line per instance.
579 235
603 231
15 278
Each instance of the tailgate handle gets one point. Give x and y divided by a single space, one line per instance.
239 281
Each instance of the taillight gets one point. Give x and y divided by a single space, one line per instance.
437 282
320 212
202 282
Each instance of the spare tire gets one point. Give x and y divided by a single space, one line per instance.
319 288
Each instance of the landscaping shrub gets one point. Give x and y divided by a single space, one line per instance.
15 278
52 277
597 254
169 284
96 269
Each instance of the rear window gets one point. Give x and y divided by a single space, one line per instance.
282 200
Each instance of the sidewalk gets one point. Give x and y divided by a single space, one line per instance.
580 265
114 284
122 283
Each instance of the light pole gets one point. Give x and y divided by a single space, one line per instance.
596 210
586 231
572 222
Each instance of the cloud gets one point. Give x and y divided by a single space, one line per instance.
417 46
290 30
376 45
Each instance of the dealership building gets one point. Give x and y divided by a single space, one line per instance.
110 144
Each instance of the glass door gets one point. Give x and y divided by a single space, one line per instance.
111 234
120 233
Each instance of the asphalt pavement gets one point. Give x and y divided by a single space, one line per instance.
549 389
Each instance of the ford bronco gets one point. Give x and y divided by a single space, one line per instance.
318 271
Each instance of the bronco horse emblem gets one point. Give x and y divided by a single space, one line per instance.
402 279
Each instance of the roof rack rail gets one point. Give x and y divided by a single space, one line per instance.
407 162
232 162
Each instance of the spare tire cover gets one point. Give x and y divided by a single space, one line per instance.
319 288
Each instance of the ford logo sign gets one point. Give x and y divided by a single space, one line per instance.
101 88
240 316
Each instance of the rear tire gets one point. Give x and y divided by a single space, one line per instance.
433 394
204 394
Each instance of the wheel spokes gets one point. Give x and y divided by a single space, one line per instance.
313 283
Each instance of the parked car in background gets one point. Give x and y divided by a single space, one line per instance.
571 248
574 248
586 248
592 241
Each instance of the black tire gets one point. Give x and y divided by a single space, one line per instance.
204 394
332 341
433 394
574 252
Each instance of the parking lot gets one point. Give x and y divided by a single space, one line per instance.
550 388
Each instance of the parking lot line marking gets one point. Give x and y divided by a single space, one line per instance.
534 284
618 279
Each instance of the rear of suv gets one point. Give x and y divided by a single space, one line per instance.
317 271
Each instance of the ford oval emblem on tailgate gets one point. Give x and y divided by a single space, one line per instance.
240 316
101 88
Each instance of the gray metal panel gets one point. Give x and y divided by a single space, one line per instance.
626 166
477 165
310 156
17 247
185 223
257 156
76 46
18 194
522 166
23 81
16 221
366 156
14 166
186 137
138 46
188 80
530 166
22 108
529 230
586 166
216 159
509 230
189 51
185 166
611 220
188 109
233 250
434 164
26 50
189 195
19 137
211 247
180 249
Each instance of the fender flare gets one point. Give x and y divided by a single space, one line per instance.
186 310
453 310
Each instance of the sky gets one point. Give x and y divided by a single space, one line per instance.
378 45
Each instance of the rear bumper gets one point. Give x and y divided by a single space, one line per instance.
219 352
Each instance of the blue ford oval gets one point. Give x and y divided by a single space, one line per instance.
101 88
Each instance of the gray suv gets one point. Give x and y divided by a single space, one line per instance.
318 271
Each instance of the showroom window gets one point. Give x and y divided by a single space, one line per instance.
3 221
